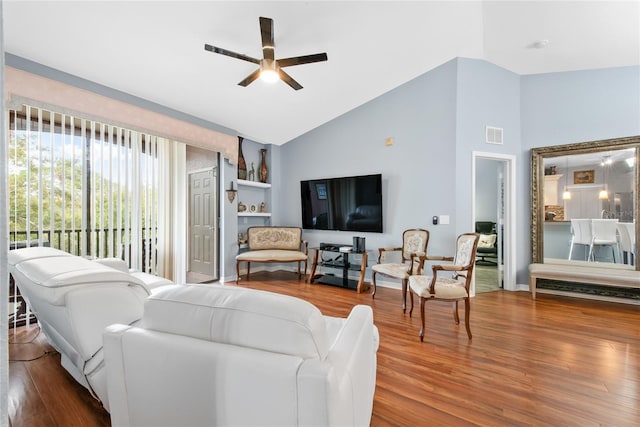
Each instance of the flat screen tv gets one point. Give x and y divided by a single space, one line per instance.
352 203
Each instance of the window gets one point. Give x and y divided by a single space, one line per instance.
82 186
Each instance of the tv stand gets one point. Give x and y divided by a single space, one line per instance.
331 257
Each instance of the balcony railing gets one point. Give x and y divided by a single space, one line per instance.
99 242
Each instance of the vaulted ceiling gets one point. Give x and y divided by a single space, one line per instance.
155 49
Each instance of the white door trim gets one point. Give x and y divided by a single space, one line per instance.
509 247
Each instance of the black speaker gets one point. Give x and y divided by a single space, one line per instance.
358 244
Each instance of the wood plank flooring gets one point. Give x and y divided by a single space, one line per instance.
556 361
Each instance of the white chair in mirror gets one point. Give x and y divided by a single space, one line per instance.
580 235
627 241
604 233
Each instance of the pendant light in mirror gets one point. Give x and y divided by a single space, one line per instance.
606 162
566 194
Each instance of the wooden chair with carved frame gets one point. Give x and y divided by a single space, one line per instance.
455 288
414 244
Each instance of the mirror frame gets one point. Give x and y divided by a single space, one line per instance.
537 183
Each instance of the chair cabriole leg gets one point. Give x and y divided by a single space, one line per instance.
373 279
411 298
404 295
456 317
467 311
422 304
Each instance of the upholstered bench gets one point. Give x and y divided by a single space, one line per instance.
583 272
273 244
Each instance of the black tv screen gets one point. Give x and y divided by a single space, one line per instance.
351 203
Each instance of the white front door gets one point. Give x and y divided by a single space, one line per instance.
203 223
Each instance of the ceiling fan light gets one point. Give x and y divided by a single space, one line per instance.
268 75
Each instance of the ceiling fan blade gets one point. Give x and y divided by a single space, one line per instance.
230 53
268 45
250 78
289 80
298 60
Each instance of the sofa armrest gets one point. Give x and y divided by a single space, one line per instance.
116 386
338 390
353 360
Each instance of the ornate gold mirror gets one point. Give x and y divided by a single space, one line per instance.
585 183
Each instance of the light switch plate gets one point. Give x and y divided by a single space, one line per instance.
444 219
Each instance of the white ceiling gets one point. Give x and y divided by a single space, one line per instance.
154 49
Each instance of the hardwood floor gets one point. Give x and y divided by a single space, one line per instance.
556 361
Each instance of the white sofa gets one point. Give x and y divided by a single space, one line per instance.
74 299
219 355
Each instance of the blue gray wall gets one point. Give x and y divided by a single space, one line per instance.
418 177
437 120
561 108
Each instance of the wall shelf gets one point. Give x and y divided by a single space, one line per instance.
254 214
254 184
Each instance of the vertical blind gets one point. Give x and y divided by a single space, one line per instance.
82 186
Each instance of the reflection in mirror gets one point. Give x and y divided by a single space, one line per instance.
584 202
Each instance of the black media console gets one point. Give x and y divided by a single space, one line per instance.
340 257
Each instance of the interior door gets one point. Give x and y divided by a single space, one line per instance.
203 222
494 198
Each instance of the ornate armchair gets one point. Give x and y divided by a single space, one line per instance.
454 288
414 244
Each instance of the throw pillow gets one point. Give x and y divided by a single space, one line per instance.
487 240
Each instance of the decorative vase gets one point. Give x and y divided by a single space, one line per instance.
242 165
263 172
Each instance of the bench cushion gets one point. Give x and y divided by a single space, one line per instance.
271 255
596 275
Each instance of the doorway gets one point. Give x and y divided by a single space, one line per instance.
203 227
494 218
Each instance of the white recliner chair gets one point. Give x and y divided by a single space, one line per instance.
219 355
75 299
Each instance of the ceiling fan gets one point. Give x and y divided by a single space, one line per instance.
270 68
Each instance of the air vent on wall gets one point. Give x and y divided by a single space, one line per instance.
494 135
